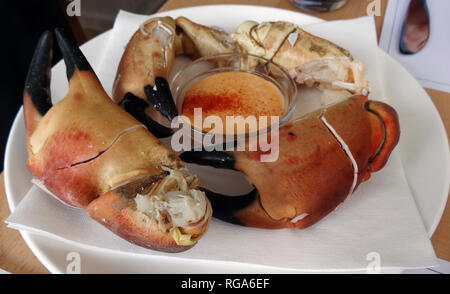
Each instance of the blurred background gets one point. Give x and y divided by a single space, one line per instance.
22 23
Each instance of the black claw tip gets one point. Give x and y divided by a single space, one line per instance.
73 57
37 84
161 98
136 107
224 207
217 159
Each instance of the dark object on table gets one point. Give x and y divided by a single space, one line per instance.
416 29
319 5
22 24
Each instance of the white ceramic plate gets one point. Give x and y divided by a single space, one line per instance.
427 168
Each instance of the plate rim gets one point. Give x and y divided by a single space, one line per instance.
441 210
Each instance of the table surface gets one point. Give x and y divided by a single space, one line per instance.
16 257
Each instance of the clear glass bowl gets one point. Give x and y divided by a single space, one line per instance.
235 62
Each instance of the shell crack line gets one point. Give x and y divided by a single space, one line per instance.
345 148
106 148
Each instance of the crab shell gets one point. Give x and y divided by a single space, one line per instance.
309 59
323 157
91 153
149 54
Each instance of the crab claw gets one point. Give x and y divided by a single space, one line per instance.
119 211
323 157
91 154
143 72
309 59
113 211
59 138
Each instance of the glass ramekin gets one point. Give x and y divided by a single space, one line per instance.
235 62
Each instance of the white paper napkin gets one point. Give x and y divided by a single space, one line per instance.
379 222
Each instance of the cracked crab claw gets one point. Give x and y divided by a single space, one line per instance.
323 157
164 212
141 79
332 73
309 59
92 154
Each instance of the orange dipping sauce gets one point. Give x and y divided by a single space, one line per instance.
233 94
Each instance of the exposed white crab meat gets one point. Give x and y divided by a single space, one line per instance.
174 205
338 73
